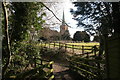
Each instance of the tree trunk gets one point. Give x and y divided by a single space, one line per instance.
116 17
7 39
101 49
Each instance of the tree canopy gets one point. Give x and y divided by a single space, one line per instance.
23 17
98 16
81 36
20 19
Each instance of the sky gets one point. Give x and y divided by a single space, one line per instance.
58 8
69 18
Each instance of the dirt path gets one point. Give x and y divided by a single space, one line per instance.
61 65
61 72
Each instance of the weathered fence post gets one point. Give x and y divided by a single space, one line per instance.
51 67
59 45
65 47
94 50
41 44
49 45
45 44
54 45
82 49
87 55
73 48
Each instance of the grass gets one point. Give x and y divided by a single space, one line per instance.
85 44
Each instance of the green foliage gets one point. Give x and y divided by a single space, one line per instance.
23 62
102 17
81 36
24 15
22 57
22 18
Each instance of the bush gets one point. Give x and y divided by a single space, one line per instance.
23 58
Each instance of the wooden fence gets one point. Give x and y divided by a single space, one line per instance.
89 66
88 63
78 49
43 68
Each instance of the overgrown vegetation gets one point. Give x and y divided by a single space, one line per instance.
20 53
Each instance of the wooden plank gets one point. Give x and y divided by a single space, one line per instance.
91 60
86 65
88 72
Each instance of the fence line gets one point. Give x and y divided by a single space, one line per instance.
90 67
70 47
88 64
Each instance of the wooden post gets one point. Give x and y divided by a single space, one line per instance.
82 49
94 49
65 47
51 67
54 45
98 63
87 55
59 45
41 44
49 45
45 44
73 48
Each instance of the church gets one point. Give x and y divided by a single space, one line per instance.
64 32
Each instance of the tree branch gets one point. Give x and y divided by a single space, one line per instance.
53 13
50 11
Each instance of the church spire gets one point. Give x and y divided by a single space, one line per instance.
63 20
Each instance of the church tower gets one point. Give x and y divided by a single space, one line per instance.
63 27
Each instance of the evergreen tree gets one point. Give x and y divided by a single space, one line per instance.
81 36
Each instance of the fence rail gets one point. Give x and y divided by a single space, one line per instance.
41 66
90 67
80 49
88 63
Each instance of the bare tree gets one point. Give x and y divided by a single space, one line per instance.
7 38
